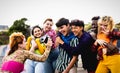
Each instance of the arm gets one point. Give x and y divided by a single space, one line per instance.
70 49
28 43
71 64
85 41
32 56
114 34
41 46
59 42
43 57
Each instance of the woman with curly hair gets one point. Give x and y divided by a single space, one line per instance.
108 54
13 62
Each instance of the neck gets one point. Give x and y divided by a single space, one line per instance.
80 34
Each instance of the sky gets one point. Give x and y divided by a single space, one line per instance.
36 11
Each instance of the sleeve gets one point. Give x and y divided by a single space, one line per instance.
71 50
28 43
115 34
41 46
36 57
84 43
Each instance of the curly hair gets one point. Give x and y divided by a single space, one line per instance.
15 39
107 20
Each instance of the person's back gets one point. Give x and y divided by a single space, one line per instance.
16 55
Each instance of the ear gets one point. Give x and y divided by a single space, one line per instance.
81 28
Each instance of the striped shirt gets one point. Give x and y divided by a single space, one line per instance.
64 58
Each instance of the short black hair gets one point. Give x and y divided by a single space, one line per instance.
62 21
95 18
77 22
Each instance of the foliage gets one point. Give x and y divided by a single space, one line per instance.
87 27
117 26
20 26
4 37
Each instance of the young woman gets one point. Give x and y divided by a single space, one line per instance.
108 62
30 65
14 61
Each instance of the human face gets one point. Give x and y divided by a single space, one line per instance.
77 30
37 32
23 45
103 27
64 29
48 26
94 25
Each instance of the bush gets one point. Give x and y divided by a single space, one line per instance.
4 38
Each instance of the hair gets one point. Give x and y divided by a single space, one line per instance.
48 19
77 22
15 39
107 20
34 28
62 21
95 18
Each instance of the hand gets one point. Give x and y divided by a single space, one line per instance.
49 42
105 31
65 71
34 45
100 42
58 41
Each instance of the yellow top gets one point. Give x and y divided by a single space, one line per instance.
41 46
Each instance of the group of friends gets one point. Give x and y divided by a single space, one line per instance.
57 51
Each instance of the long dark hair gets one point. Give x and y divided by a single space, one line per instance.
34 28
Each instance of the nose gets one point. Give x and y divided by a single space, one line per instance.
72 30
60 30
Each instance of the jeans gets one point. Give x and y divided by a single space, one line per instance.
37 67
52 57
42 67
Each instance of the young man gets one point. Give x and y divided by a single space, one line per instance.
64 58
85 42
94 27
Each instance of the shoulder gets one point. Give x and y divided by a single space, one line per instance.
86 37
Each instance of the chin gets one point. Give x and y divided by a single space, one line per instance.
75 34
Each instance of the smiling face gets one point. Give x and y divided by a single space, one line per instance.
47 26
94 25
64 29
77 30
37 32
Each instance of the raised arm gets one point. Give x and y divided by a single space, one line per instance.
36 57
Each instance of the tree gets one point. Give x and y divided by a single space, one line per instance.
20 26
117 26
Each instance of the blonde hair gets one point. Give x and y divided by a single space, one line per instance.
15 39
107 20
